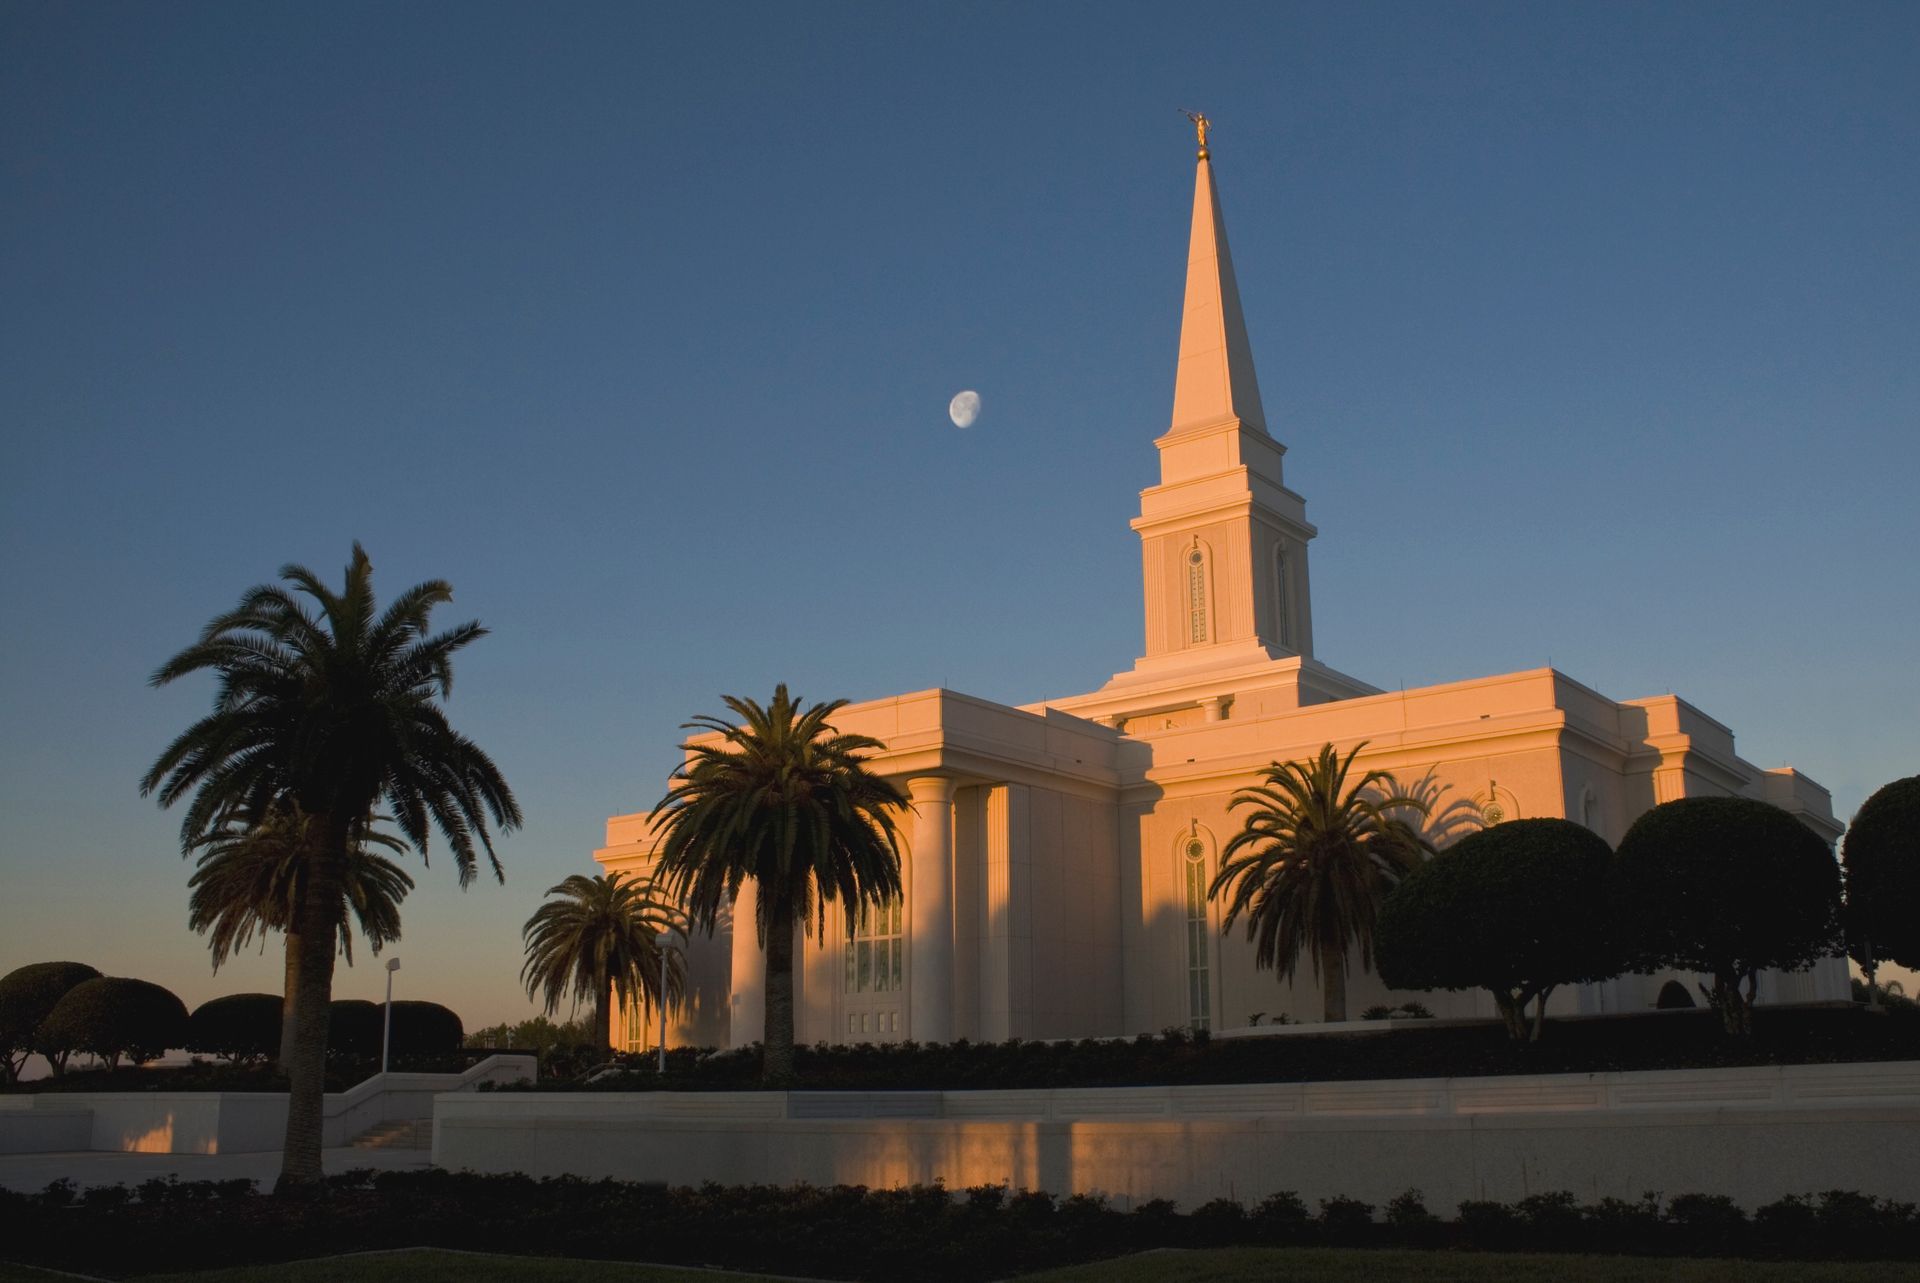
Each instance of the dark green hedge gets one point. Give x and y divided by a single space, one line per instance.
1403 1049
924 1232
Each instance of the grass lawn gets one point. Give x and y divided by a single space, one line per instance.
1348 1265
1222 1265
427 1266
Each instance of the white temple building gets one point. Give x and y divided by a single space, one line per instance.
1059 852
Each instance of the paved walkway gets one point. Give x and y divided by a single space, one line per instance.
31 1173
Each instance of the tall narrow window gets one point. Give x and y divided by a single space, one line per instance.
1282 611
875 950
1199 986
1196 595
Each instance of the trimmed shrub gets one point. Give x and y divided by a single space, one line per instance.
27 996
1882 856
353 1028
421 1028
240 1027
112 1017
1726 886
1511 909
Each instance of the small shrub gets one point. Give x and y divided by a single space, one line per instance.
1409 1209
1550 1215
1617 1219
1379 1011
1218 1222
1486 1223
986 1198
106 1196
1709 1214
58 1193
1281 1216
1344 1217
1791 1219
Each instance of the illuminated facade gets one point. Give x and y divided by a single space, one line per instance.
1059 851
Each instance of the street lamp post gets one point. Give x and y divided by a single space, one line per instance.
386 1030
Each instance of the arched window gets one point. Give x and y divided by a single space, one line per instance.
1196 595
1282 607
1193 881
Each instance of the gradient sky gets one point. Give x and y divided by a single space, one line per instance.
1592 331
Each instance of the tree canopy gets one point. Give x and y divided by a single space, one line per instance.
27 996
600 937
1515 909
326 701
239 1026
113 1017
1726 886
782 798
1882 856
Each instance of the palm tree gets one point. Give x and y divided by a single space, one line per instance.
784 799
602 937
1313 863
336 709
249 878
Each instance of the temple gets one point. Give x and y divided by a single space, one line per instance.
1059 852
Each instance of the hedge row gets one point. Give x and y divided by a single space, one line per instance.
1404 1049
854 1232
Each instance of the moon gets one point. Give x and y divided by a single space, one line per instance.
964 409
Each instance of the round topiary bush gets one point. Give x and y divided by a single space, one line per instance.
1882 853
1515 909
353 1028
421 1028
1727 886
112 1017
240 1026
27 996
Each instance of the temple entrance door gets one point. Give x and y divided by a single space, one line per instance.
874 990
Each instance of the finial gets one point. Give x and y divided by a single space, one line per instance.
1200 127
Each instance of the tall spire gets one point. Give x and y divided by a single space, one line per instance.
1215 381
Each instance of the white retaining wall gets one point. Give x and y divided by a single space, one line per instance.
225 1122
1754 1134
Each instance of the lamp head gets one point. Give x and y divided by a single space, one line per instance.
393 964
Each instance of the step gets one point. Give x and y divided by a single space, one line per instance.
409 1133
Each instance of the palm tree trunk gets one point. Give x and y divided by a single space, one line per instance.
602 1021
317 920
1333 979
289 986
776 1065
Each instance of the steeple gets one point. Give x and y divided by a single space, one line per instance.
1215 379
1223 541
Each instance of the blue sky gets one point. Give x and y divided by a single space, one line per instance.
1591 330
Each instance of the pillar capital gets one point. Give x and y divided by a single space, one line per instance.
931 788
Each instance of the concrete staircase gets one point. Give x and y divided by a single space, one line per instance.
411 1133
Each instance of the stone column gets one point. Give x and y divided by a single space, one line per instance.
748 1004
930 883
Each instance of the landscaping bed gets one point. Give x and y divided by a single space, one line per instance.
857 1233
1408 1049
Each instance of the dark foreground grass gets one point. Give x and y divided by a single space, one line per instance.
1356 1265
1216 1265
